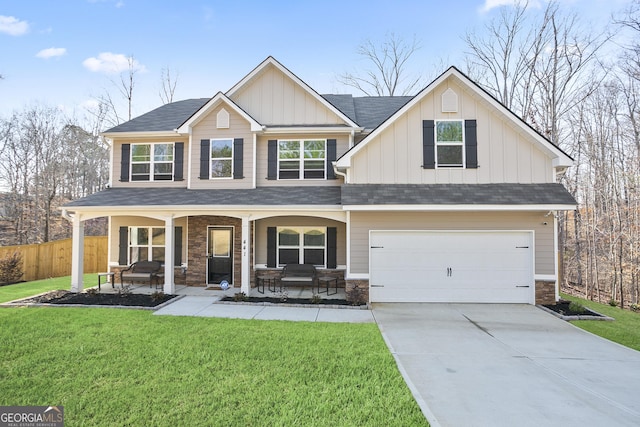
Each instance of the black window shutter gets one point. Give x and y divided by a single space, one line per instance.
124 162
332 245
272 159
178 160
428 145
331 157
205 157
238 144
271 247
124 246
471 144
177 244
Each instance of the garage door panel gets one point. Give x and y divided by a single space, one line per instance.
477 266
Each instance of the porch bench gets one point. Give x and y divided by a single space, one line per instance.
298 274
142 271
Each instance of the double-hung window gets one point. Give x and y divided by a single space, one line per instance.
449 142
146 244
302 245
152 162
221 158
302 159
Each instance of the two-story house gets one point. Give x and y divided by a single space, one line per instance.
443 196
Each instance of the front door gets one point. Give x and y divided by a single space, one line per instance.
220 255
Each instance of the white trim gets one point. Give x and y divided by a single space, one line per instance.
458 208
308 129
210 105
556 255
301 159
255 159
152 162
357 276
547 277
142 134
462 144
189 163
272 61
211 140
348 238
560 158
110 142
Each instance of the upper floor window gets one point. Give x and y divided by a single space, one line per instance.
449 143
221 158
152 162
302 159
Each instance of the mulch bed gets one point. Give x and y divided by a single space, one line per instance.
302 301
130 300
562 307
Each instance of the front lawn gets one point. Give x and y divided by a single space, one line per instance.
128 367
26 289
624 330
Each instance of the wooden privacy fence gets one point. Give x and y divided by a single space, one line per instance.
53 259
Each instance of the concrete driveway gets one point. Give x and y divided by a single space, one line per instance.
509 365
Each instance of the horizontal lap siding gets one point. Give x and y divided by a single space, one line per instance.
300 221
117 160
363 222
342 145
207 129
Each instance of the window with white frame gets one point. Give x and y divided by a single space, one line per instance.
152 162
449 141
302 245
302 159
221 158
146 244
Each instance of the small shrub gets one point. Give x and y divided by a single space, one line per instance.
284 296
124 291
239 297
157 296
577 307
613 303
92 292
11 268
316 299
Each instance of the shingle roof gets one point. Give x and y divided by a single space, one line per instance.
349 194
368 111
456 194
165 118
162 196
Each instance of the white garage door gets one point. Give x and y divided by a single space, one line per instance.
451 266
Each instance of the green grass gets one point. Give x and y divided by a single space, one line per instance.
128 367
624 330
26 289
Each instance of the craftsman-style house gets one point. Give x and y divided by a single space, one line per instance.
443 196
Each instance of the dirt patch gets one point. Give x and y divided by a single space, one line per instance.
128 300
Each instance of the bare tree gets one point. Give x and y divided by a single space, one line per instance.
168 85
127 84
388 71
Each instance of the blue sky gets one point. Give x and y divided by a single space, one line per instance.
64 53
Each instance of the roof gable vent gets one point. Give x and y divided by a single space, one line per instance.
449 101
222 119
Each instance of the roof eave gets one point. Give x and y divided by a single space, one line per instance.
463 207
142 134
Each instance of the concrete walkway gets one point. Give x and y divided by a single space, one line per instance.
509 365
205 306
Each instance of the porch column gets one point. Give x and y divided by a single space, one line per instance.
169 255
245 284
77 254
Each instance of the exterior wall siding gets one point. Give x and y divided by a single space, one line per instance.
129 221
363 222
117 159
272 98
207 129
261 234
505 154
342 145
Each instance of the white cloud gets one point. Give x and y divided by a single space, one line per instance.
13 26
52 52
111 63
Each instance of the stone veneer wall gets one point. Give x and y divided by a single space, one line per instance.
545 292
197 247
357 290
